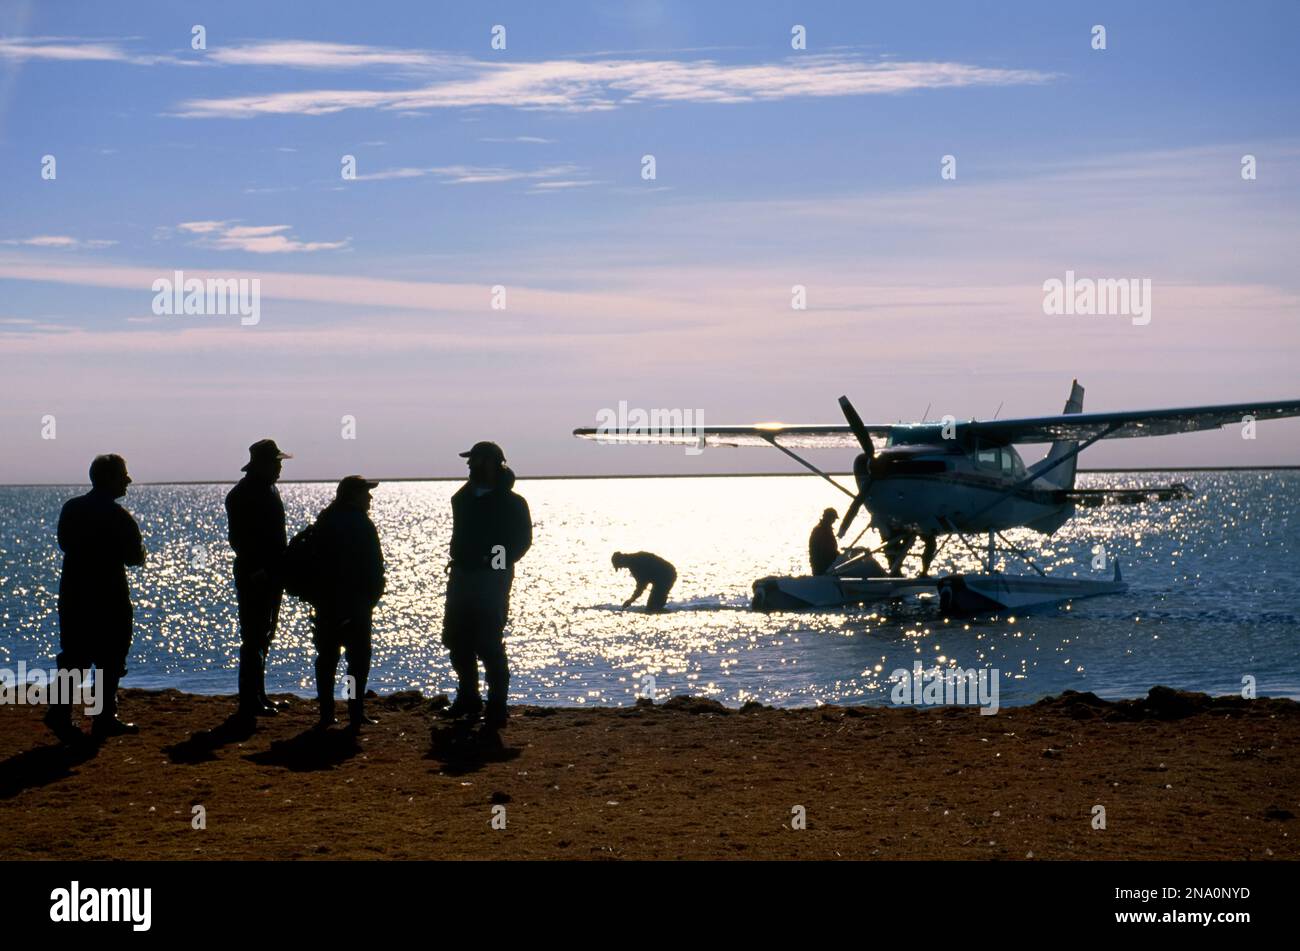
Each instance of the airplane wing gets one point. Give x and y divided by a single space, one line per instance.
791 435
1127 425
1035 429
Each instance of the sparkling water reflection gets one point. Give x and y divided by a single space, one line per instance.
1214 594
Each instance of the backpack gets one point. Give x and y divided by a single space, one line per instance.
300 565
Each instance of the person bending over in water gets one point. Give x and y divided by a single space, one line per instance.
647 569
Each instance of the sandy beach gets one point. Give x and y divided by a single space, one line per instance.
1180 776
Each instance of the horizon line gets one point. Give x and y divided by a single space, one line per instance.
644 475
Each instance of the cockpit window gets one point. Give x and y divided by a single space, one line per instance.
925 435
1001 459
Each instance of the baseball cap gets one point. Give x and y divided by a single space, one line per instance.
354 483
488 450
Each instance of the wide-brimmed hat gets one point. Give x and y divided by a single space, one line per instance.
264 450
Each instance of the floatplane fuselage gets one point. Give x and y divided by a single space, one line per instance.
938 489
941 478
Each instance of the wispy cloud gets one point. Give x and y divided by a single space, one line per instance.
479 174
255 239
202 227
374 294
685 315
534 139
584 86
65 49
303 54
564 85
570 183
389 174
285 54
59 241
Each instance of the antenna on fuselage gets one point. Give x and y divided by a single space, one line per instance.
999 409
926 414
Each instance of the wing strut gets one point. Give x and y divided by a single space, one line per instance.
808 465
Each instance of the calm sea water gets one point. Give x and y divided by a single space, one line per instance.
1214 596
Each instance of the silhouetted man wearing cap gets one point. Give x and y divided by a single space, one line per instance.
351 565
257 534
99 539
822 547
491 530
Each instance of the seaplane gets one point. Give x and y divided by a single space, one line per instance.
955 479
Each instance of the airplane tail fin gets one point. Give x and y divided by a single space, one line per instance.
1062 476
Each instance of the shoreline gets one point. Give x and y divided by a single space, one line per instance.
1178 775
306 694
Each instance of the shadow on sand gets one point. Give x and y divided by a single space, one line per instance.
464 747
42 766
202 746
313 749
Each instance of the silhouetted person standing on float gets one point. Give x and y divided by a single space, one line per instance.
822 547
350 564
491 530
99 539
257 534
647 569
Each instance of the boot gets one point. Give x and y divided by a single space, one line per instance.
496 715
357 715
250 701
266 706
327 718
465 705
59 719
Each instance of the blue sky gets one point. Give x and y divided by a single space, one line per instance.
522 167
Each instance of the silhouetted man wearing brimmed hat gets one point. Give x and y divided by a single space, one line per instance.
99 539
257 534
491 530
351 566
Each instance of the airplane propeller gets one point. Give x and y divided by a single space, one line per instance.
859 428
861 465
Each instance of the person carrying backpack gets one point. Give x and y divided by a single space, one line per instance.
349 568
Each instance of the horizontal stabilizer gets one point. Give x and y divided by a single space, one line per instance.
1091 498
